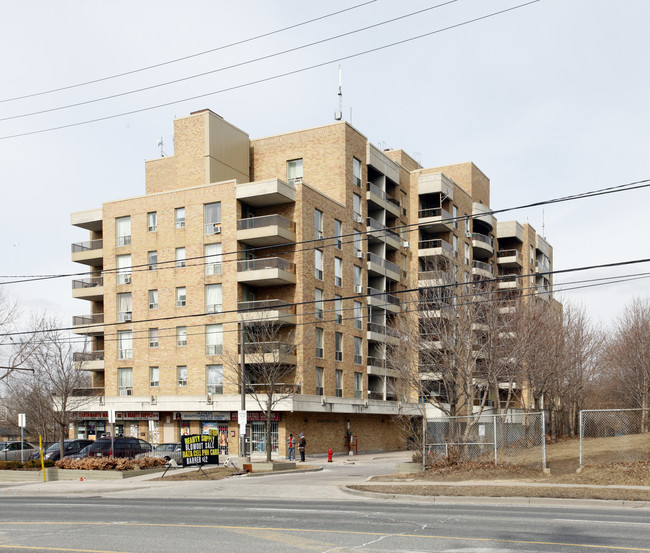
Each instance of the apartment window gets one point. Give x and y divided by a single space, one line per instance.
125 381
338 231
404 203
124 269
181 375
338 310
124 309
154 377
153 337
356 271
180 257
338 346
181 297
153 299
356 242
454 214
319 343
213 259
214 379
318 262
181 336
356 208
356 172
318 303
318 224
338 271
339 383
179 217
212 218
466 254
152 260
213 298
454 243
124 344
319 381
358 385
214 339
358 349
152 221
358 315
532 258
123 231
294 170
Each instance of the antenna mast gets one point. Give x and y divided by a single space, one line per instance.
339 114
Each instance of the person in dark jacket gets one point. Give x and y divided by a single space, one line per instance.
301 447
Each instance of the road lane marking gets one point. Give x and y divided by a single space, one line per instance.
298 530
601 521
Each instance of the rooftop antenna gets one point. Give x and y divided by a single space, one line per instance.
339 114
543 225
160 145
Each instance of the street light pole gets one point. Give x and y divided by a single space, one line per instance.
242 383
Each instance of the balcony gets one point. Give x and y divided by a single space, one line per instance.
89 253
382 333
379 232
268 192
384 300
436 183
509 282
431 309
91 289
380 266
91 325
482 269
436 248
88 361
268 230
435 219
90 219
271 353
483 245
382 200
541 267
271 311
483 213
267 271
428 279
509 259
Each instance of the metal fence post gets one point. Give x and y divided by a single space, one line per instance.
543 414
494 425
581 430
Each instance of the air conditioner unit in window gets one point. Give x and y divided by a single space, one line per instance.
358 289
216 229
128 317
127 279
406 245
209 398
360 254
319 234
358 218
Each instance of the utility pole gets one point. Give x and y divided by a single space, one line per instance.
242 384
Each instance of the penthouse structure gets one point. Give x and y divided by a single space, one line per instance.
294 253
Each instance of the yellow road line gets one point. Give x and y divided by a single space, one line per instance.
300 530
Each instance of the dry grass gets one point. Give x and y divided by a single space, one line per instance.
217 473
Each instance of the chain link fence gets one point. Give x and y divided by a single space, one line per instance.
514 438
609 436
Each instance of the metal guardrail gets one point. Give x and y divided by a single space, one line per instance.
85 320
88 282
265 263
87 246
265 221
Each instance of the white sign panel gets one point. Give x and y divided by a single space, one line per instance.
22 420
241 418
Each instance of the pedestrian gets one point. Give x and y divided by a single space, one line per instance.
291 448
301 447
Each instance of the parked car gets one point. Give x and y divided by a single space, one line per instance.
168 451
10 451
70 447
122 447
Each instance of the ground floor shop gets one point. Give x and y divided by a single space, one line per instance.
339 432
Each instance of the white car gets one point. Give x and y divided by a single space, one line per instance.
10 451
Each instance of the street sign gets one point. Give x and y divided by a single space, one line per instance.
241 418
22 420
111 416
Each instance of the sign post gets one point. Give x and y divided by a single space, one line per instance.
242 419
22 422
111 421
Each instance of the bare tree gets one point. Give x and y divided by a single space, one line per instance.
628 357
270 375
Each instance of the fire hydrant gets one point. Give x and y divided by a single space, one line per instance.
329 455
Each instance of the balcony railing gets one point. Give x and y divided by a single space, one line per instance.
483 238
281 349
88 282
376 225
374 189
81 356
377 362
388 265
508 253
436 243
87 246
482 266
393 300
428 212
265 221
266 305
86 320
265 263
84 392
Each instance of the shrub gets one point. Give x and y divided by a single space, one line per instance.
10 465
111 463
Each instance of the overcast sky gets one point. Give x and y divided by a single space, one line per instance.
549 99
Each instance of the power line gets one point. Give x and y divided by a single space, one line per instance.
411 227
227 67
190 56
271 78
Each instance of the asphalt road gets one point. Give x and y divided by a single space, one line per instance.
270 526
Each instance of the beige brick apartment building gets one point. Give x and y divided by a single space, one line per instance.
316 232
